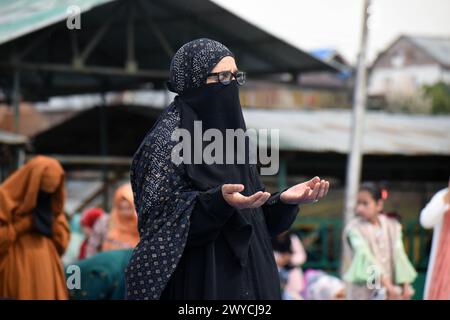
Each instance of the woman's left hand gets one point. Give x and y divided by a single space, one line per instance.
306 192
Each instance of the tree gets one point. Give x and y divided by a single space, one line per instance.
439 93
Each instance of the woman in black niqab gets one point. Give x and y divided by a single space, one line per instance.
205 229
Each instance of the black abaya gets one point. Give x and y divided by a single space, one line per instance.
209 268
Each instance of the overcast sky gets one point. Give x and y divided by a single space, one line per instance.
336 24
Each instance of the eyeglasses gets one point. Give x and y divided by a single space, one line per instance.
225 77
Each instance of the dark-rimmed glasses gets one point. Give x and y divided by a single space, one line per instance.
225 77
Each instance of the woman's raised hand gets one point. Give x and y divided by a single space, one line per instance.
231 194
306 192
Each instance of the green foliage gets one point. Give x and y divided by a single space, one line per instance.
439 93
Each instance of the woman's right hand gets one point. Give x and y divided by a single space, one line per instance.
231 194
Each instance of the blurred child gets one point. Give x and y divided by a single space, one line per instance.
289 256
379 266
88 220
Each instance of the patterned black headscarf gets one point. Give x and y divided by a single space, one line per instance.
193 61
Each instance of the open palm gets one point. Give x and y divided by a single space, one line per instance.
306 192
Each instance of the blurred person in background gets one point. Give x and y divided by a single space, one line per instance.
322 286
379 266
87 222
76 239
436 215
289 256
33 232
103 276
117 230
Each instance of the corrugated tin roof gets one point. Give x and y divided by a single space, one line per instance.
12 138
438 48
104 64
329 131
20 17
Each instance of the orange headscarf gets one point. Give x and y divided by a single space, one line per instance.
18 194
30 265
123 230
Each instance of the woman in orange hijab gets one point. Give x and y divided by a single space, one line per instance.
33 232
123 232
119 229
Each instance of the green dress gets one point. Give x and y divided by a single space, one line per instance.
371 254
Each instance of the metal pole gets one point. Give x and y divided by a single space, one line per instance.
354 159
16 100
131 64
104 149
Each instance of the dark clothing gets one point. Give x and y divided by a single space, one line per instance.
193 244
164 201
228 252
209 268
216 106
43 215
207 263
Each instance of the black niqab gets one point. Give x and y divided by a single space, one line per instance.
217 106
